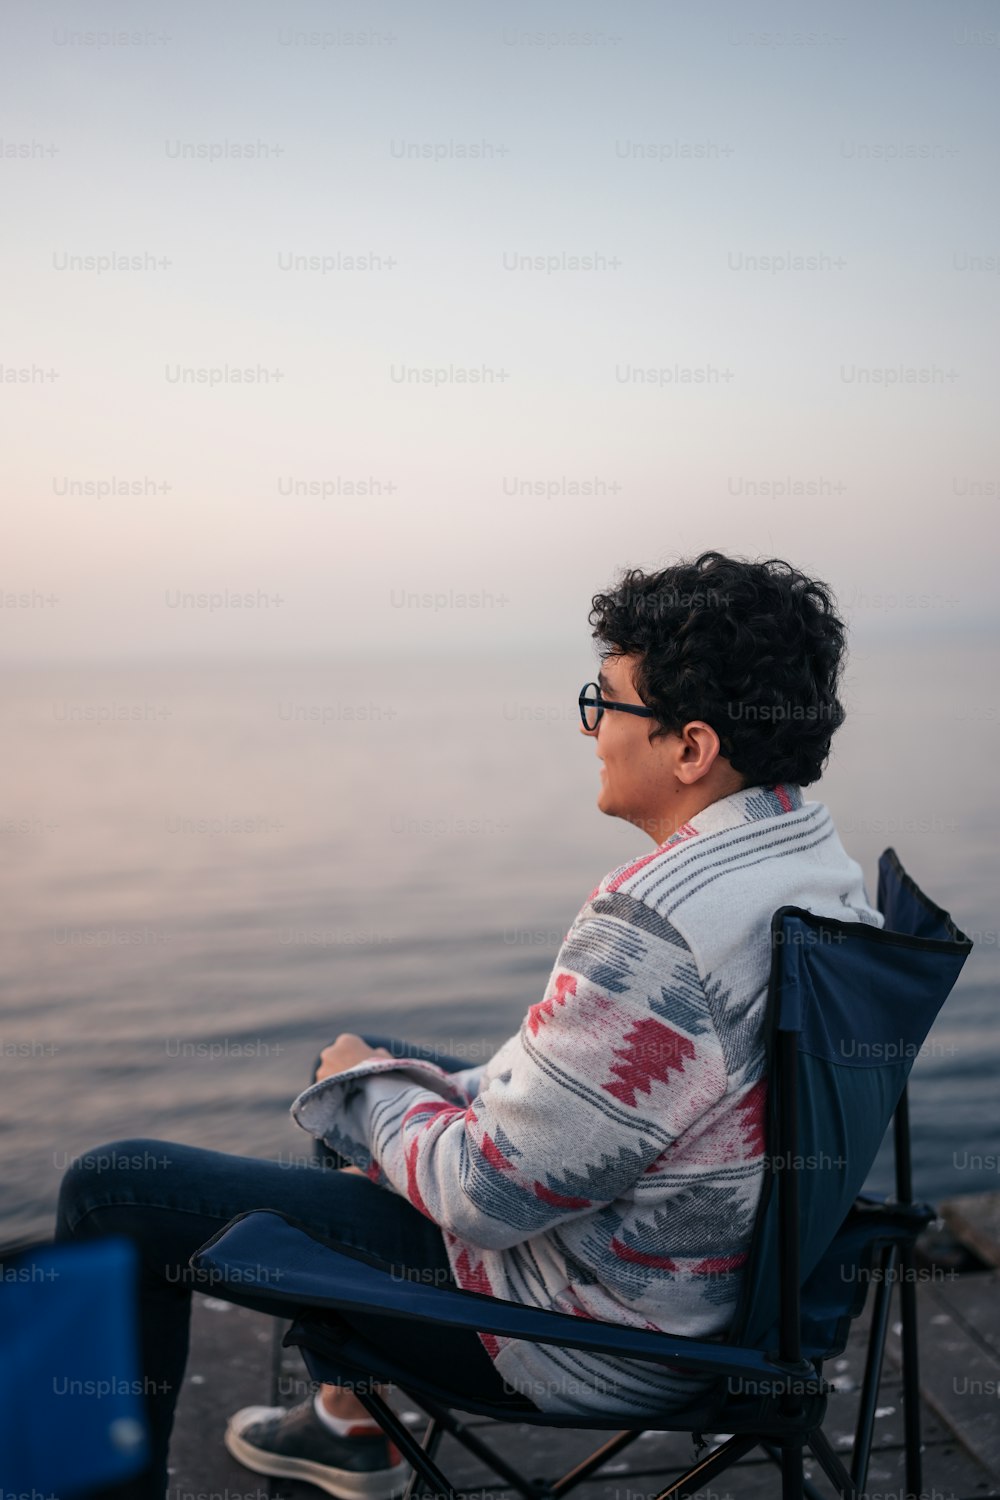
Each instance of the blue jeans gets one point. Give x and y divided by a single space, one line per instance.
171 1198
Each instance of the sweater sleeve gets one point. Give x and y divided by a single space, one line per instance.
615 1061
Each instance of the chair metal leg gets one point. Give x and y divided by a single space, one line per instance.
443 1421
430 1442
809 1490
831 1466
600 1456
407 1444
446 1422
911 1374
865 1425
703 1473
792 1478
908 1303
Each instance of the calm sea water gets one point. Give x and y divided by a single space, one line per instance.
210 870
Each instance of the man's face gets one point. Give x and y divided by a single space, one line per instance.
634 773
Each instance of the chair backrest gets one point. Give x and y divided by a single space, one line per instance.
849 1007
905 906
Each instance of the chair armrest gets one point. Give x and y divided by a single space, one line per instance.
274 1260
897 1219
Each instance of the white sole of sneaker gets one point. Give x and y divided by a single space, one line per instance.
380 1484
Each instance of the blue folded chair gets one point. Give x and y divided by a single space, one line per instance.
849 1006
72 1416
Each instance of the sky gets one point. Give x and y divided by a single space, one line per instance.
400 328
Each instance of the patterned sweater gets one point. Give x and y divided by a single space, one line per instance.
607 1161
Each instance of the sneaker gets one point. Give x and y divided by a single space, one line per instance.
294 1443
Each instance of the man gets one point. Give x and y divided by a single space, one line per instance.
607 1161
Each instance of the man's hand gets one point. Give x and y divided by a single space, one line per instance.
342 1054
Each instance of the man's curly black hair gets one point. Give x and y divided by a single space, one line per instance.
753 648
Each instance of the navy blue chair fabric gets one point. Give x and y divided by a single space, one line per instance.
72 1415
860 1002
862 1023
321 1277
849 1007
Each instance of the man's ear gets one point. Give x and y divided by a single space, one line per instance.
698 751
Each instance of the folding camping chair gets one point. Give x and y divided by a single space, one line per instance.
69 1328
849 1006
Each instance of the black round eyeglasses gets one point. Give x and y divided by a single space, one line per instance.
592 706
